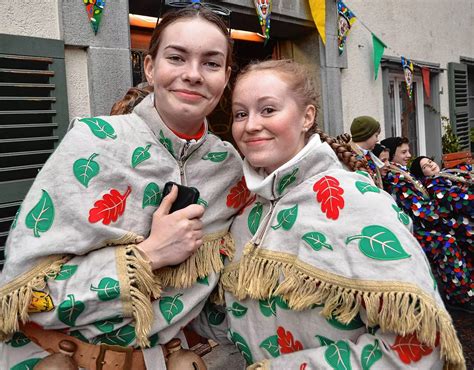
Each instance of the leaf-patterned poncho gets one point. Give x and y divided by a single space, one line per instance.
71 261
327 275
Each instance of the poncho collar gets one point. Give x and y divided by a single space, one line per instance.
179 148
315 157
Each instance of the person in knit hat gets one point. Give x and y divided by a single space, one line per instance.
365 132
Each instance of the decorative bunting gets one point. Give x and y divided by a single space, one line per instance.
408 71
94 10
318 11
425 73
379 48
264 9
345 19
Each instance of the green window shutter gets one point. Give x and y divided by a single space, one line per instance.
33 116
459 102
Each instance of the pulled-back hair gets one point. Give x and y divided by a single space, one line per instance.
133 96
189 12
302 85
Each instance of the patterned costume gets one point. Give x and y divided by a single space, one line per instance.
372 163
440 236
327 275
71 262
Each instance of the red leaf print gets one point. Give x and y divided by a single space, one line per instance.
110 207
329 194
238 194
286 342
410 349
303 366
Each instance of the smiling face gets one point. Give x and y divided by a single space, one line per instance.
189 73
269 123
429 167
402 154
383 156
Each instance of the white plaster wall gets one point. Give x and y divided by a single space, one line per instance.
436 31
77 82
36 18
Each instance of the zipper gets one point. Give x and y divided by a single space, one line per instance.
182 162
262 230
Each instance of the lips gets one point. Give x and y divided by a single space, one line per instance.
256 141
188 94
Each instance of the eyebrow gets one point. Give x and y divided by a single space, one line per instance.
185 51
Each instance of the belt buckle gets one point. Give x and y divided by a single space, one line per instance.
127 363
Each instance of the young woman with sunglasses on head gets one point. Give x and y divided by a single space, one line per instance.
82 265
326 273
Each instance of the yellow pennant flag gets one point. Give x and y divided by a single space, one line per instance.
318 11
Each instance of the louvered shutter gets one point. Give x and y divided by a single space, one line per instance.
33 117
459 102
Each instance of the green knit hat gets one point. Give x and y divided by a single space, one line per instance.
363 127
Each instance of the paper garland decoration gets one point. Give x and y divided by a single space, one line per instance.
345 19
425 73
94 9
379 48
318 11
407 66
264 9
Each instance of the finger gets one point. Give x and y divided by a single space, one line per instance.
198 243
167 202
196 224
192 211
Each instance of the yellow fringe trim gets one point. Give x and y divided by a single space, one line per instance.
15 297
262 365
406 308
138 285
207 259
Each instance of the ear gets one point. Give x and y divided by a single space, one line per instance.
309 117
148 69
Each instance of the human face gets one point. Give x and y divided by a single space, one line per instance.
383 156
269 124
429 167
369 144
402 154
188 73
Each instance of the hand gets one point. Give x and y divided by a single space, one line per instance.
173 237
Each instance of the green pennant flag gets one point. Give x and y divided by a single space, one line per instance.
379 48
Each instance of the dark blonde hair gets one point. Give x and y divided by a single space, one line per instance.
302 85
133 96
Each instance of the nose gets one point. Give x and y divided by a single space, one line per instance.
253 123
192 73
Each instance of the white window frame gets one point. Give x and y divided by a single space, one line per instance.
420 111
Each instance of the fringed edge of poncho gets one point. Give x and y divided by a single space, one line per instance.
15 297
207 259
139 286
406 308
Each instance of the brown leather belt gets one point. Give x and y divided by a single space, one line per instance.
88 356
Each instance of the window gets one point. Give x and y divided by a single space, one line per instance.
33 116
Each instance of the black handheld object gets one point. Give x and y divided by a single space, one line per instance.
186 195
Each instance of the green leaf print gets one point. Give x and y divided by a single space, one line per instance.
242 346
85 169
237 310
66 272
166 143
286 181
120 337
215 317
203 281
370 355
365 187
286 218
19 340
100 128
41 217
151 195
363 173
154 340
16 218
255 215
215 156
316 240
402 216
271 346
107 290
338 356
324 341
77 334
281 303
268 306
140 154
379 243
106 326
69 310
356 323
27 364
202 202
171 306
